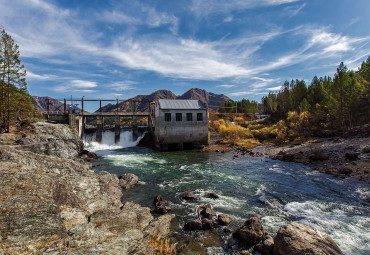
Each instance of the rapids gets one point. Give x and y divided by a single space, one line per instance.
278 192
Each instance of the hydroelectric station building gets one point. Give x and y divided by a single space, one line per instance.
180 123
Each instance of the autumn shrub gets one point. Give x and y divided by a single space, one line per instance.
239 120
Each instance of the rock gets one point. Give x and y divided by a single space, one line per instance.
296 238
127 181
208 224
251 232
267 246
212 195
193 225
188 195
352 156
161 205
366 149
345 171
206 211
318 155
158 199
224 219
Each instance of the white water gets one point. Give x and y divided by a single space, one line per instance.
107 144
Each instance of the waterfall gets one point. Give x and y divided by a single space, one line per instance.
108 143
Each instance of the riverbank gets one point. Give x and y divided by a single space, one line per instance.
53 202
342 157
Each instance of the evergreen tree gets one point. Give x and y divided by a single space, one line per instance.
13 84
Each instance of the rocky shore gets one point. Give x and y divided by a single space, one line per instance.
342 157
51 202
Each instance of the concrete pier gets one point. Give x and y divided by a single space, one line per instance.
99 128
134 128
117 130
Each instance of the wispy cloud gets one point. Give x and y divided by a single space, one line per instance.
122 85
226 86
76 86
294 10
204 7
40 77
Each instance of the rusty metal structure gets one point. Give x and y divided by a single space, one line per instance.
76 117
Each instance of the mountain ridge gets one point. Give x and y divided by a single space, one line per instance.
142 105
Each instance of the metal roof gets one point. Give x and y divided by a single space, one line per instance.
180 104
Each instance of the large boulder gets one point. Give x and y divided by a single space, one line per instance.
297 239
208 224
127 181
251 232
224 219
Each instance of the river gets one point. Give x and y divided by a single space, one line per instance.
278 192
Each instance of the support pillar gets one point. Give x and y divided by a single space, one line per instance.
99 128
134 128
117 130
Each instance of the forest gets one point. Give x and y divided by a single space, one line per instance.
338 103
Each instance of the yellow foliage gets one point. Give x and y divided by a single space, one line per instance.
248 143
163 246
234 132
239 119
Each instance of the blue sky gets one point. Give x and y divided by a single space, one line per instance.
240 48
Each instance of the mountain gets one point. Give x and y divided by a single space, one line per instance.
142 101
209 98
55 105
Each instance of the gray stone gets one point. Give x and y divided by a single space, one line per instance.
127 181
297 239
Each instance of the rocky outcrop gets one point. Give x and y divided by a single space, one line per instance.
49 139
127 181
296 238
251 232
54 203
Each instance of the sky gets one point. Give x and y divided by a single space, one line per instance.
240 48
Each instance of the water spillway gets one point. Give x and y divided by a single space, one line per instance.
108 140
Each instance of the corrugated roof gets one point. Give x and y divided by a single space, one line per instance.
181 104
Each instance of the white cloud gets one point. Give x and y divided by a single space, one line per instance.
274 88
122 85
83 84
204 7
40 77
228 19
76 86
226 86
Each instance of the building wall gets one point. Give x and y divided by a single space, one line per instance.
180 131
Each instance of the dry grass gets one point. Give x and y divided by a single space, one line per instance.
163 245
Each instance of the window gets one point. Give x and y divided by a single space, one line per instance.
200 116
167 117
178 116
189 117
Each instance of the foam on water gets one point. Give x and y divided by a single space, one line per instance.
108 144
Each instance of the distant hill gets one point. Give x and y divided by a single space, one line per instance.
54 106
209 98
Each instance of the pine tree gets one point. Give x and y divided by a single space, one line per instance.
12 79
